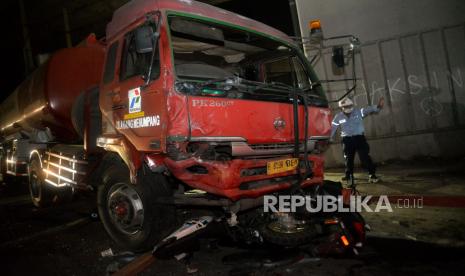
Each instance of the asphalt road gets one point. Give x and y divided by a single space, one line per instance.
69 239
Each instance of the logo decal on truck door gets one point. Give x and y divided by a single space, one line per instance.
148 121
134 115
135 100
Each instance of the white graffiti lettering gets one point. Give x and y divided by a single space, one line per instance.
394 88
413 84
426 96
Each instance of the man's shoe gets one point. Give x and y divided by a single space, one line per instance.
373 178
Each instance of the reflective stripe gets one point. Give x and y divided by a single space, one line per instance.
365 111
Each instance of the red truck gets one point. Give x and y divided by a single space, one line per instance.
183 108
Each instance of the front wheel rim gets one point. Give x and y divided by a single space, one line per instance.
125 208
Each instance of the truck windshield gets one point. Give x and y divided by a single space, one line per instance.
213 59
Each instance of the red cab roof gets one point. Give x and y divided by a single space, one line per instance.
135 9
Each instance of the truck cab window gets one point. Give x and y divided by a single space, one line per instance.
279 71
137 64
301 75
109 73
287 70
206 51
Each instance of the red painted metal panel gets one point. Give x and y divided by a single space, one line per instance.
253 120
70 72
45 98
136 9
224 177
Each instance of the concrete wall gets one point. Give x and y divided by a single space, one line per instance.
413 54
377 19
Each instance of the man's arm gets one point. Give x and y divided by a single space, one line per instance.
373 108
334 127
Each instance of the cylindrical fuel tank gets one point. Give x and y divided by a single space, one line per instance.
46 97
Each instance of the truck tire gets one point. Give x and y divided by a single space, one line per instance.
128 212
41 192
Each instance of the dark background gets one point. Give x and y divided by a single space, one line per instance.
45 25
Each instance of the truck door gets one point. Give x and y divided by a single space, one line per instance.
138 109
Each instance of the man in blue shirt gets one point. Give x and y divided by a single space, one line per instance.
350 120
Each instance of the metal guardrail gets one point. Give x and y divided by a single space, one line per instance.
64 172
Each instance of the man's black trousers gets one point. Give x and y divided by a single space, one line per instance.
357 144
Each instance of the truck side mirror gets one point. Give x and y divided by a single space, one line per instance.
338 56
144 39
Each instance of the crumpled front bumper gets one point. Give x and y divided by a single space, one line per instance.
239 178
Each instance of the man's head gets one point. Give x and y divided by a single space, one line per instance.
347 105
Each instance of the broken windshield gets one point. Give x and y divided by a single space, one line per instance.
209 55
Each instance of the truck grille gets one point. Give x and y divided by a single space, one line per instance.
245 149
289 146
250 185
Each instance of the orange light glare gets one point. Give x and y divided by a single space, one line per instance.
315 24
344 240
331 221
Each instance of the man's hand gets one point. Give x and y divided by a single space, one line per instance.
381 103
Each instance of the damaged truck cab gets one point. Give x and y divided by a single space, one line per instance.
210 102
184 106
216 108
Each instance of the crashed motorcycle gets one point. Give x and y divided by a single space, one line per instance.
318 233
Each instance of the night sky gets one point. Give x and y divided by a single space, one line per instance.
271 12
47 34
11 48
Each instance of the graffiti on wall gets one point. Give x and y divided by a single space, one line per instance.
425 96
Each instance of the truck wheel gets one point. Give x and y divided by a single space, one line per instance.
128 212
41 193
